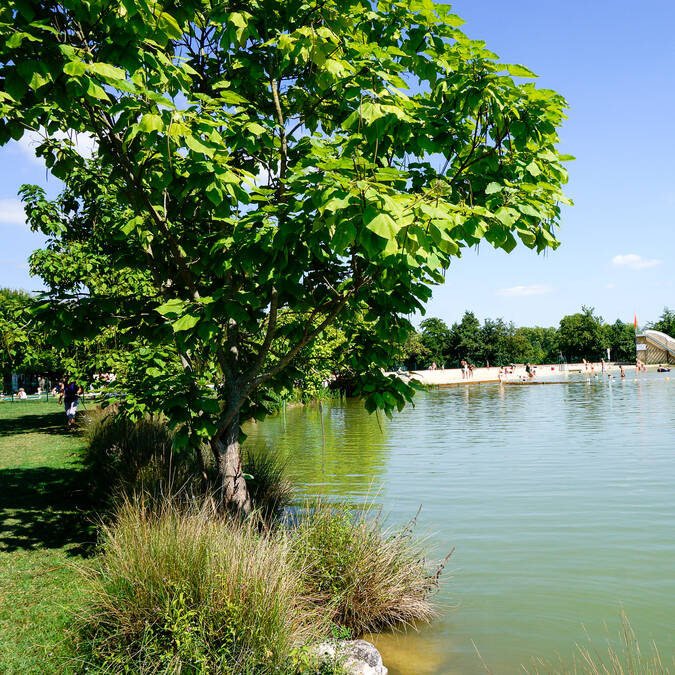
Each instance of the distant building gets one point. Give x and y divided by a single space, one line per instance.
653 346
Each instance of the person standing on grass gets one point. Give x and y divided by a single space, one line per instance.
70 394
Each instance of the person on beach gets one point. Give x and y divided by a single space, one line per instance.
623 372
602 365
70 396
465 370
471 366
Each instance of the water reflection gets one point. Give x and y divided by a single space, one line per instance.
335 449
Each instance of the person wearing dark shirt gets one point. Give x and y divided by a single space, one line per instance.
71 399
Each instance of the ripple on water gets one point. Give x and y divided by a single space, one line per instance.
558 499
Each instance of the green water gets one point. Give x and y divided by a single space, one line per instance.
559 500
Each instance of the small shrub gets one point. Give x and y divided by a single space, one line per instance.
188 591
364 578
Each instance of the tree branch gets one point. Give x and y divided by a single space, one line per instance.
307 337
116 146
269 336
284 146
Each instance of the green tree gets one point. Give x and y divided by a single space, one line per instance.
582 336
620 338
466 340
542 345
435 338
328 159
14 341
414 353
666 322
497 338
25 347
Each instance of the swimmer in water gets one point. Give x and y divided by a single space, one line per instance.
623 372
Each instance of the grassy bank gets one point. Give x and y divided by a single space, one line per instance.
42 531
172 588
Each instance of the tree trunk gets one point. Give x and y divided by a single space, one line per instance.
233 491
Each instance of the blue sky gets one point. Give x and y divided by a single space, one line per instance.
614 62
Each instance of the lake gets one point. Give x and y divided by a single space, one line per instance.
558 498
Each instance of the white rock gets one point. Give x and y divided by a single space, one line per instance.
360 657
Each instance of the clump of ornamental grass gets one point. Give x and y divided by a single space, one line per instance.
127 457
180 589
622 656
363 577
271 491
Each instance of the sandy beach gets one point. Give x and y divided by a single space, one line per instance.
451 376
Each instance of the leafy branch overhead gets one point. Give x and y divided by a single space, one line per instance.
323 159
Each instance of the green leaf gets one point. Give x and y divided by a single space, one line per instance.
170 26
506 215
17 38
107 71
214 194
186 322
151 122
492 188
75 68
519 71
533 168
196 144
255 128
529 210
96 91
526 236
173 306
382 224
37 80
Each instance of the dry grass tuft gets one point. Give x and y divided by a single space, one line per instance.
129 458
363 577
187 590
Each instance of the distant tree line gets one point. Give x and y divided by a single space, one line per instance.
27 346
31 347
583 335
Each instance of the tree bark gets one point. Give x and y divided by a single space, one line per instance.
233 490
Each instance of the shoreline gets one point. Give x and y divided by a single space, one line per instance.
446 377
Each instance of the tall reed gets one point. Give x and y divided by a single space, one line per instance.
620 656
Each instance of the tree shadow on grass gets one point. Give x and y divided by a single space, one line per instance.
43 423
46 507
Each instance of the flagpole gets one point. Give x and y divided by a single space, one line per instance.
636 336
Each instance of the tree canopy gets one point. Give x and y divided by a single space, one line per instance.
322 159
666 322
581 336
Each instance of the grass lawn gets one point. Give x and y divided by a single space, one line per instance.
45 526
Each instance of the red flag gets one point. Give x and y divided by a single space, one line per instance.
635 320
